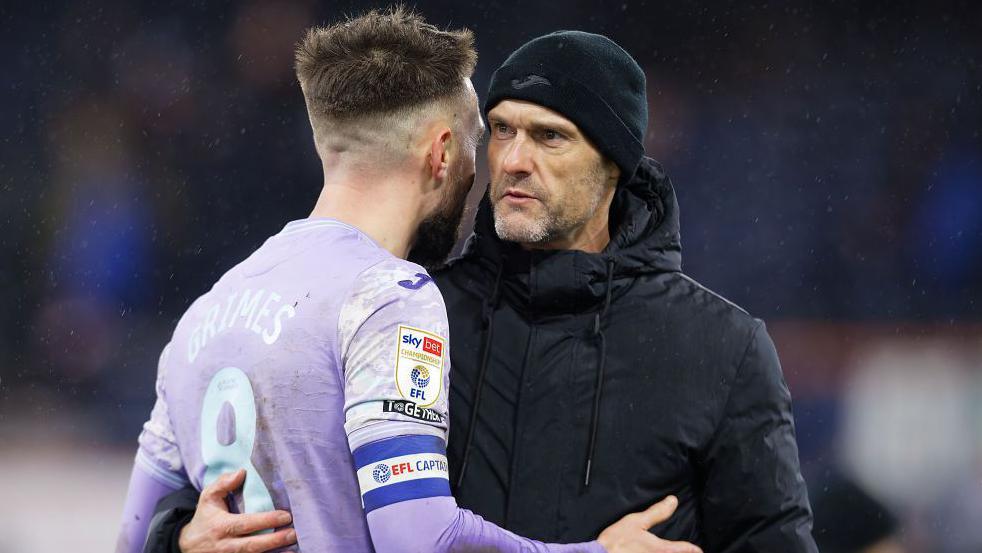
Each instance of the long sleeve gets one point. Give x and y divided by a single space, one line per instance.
141 500
157 470
755 498
437 525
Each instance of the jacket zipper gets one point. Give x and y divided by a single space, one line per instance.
519 419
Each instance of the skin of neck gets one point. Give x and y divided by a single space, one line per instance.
381 206
387 201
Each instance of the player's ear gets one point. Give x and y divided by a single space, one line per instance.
440 154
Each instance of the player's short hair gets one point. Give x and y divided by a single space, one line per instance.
381 62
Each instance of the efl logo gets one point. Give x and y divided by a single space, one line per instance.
420 376
381 473
432 346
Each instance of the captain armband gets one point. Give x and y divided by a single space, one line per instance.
401 468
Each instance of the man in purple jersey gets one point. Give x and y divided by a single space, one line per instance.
316 371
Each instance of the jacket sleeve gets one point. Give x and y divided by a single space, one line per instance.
172 514
754 498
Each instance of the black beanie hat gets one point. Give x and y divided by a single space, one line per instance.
587 78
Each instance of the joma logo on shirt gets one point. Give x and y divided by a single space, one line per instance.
423 278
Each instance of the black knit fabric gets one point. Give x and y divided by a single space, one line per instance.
587 78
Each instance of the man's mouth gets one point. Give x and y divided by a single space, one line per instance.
517 196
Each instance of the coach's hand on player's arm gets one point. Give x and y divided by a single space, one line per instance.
630 534
214 530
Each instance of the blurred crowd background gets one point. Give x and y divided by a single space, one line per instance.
827 161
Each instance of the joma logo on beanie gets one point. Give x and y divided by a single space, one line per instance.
528 81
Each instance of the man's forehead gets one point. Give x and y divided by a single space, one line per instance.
529 113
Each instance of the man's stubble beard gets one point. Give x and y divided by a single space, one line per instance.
438 233
556 222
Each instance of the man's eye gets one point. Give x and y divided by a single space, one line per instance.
501 129
552 135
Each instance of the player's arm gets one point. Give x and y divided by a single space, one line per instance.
459 530
157 471
141 499
395 359
754 497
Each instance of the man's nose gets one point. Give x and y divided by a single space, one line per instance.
518 159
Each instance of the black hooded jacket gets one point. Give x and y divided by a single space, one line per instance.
588 386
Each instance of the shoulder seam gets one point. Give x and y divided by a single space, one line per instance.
712 293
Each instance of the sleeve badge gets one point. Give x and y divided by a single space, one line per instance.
419 365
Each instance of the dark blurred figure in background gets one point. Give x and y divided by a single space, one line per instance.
835 148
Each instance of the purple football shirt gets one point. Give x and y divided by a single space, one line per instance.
294 359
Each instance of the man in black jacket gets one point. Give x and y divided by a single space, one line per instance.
591 377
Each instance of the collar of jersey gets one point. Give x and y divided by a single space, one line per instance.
313 223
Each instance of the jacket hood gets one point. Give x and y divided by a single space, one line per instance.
645 239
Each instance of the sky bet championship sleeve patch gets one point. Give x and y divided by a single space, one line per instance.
419 365
401 468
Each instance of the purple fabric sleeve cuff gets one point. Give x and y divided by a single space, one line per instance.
437 524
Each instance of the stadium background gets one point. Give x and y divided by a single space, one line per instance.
827 161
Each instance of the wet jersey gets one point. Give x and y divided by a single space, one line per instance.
319 344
